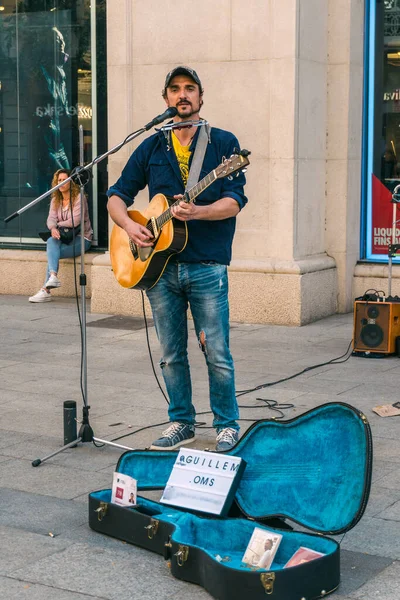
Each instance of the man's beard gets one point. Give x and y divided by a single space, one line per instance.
189 110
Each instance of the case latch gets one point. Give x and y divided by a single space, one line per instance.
152 528
268 580
102 510
182 555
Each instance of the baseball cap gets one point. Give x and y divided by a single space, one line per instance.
182 70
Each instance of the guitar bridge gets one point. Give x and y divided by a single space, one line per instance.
154 227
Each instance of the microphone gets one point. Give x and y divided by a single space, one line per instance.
170 112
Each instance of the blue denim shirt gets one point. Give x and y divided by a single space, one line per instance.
154 165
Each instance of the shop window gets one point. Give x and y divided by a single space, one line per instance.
52 80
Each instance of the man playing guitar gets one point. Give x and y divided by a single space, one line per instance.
197 275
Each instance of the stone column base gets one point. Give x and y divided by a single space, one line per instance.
23 273
375 277
277 292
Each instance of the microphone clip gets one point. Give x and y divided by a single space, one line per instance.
182 125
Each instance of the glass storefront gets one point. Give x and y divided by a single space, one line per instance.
52 80
381 153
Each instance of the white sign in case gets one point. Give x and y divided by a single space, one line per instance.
203 481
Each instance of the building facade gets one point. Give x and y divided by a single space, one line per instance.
308 86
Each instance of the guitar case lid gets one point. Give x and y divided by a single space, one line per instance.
314 469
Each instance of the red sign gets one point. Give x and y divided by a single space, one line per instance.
382 218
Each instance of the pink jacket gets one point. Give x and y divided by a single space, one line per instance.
63 218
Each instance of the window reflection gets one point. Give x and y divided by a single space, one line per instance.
45 94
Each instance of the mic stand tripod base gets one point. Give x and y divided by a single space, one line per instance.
38 461
87 430
86 433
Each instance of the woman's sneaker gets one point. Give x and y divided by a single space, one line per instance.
226 439
52 282
176 435
41 296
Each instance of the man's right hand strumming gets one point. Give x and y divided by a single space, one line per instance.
139 234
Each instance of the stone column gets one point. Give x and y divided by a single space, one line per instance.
263 65
344 137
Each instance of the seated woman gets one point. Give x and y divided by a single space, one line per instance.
65 211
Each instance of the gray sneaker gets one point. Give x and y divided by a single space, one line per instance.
226 439
177 434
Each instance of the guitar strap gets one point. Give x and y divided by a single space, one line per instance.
198 157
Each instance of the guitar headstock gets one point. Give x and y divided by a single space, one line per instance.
235 163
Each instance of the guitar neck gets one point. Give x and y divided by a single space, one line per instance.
189 196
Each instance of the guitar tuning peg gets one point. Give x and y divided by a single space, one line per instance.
230 177
244 170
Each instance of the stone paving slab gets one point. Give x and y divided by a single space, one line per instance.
50 479
13 589
357 568
112 575
385 536
20 549
387 449
380 500
381 469
386 586
391 513
392 480
9 438
40 514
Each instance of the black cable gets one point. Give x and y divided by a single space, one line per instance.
141 429
329 362
272 405
376 292
149 348
84 399
342 538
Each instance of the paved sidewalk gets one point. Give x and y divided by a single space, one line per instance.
40 368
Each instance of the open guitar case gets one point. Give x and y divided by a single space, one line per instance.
314 470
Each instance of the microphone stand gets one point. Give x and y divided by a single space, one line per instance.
81 174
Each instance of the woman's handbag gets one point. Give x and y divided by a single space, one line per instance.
67 234
44 235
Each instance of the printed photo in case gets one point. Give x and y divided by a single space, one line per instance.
262 548
303 555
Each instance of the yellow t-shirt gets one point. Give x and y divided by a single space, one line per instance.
182 154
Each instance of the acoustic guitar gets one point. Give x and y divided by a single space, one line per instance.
141 268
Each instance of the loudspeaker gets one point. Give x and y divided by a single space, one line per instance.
376 326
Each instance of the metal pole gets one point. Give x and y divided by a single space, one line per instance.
83 276
390 252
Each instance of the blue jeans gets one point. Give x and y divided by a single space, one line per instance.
56 249
205 288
